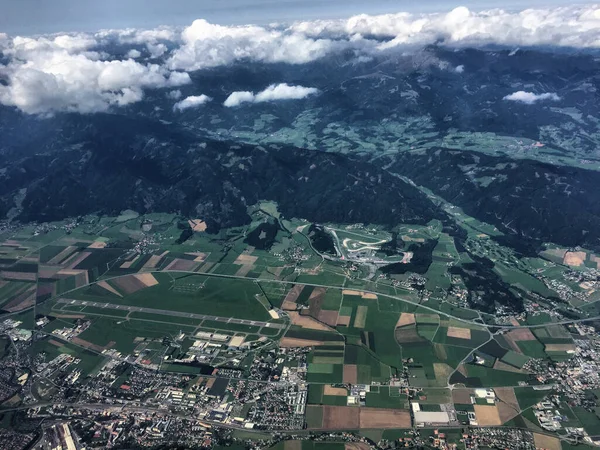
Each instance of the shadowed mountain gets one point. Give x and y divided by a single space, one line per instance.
533 200
109 163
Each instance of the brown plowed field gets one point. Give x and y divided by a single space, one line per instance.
128 284
292 342
330 390
487 415
307 322
384 418
462 396
459 333
350 374
343 320
341 417
406 319
329 317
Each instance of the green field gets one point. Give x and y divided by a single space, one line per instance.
528 396
12 289
451 355
535 349
461 313
297 332
122 334
314 416
589 420
368 366
492 378
377 334
199 294
515 359
325 373
523 280
332 299
478 337
386 399
395 434
427 330
315 394
435 396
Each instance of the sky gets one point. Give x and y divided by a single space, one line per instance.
31 17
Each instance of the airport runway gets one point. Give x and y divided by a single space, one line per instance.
166 312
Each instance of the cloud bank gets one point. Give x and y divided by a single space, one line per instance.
192 101
566 26
75 73
272 93
530 98
65 74
206 45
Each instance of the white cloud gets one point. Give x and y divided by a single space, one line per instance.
134 54
174 78
530 98
174 95
156 50
71 72
565 26
192 102
303 41
26 48
459 69
284 91
207 45
236 98
62 74
136 36
274 92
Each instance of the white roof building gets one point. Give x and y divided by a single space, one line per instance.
440 417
